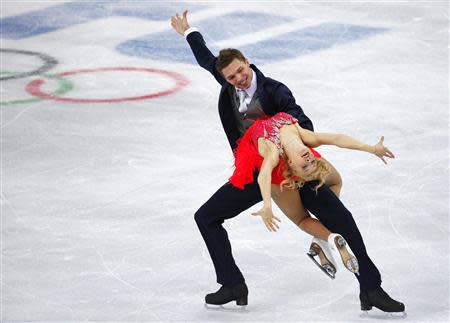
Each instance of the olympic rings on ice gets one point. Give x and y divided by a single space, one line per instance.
34 87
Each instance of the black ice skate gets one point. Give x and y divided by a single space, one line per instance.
226 294
339 245
319 248
380 299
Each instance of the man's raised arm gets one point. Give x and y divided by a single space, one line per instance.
202 54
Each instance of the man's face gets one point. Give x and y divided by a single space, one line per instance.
239 74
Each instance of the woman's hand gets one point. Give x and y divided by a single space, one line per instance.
382 151
268 218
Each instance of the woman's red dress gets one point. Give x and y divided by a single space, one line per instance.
247 157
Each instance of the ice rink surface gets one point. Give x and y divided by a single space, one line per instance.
111 140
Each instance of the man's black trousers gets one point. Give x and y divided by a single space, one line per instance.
229 201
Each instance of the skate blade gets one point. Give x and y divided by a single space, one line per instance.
316 250
352 264
380 315
227 308
350 261
329 270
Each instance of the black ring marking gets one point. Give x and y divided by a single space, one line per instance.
48 63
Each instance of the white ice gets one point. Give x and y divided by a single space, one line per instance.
97 199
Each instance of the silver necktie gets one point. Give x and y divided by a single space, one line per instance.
242 105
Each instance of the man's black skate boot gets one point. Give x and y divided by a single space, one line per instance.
226 294
381 300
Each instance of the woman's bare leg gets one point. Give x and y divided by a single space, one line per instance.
290 203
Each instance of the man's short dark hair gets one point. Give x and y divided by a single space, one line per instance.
226 56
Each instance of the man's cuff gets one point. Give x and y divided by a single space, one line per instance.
189 30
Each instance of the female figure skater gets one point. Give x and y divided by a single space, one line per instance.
283 153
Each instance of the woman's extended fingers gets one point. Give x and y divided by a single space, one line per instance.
271 226
268 226
389 153
269 221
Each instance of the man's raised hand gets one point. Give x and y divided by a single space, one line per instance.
180 23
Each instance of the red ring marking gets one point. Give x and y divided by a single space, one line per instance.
34 87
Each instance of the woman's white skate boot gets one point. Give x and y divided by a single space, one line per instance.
338 245
319 248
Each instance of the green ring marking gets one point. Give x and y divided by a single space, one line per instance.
64 87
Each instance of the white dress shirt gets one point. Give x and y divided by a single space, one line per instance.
251 90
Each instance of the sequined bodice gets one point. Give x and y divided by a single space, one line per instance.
270 129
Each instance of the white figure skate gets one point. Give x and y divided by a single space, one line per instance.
319 248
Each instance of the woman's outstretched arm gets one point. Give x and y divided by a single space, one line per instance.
316 139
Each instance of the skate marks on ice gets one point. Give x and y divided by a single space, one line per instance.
229 308
380 315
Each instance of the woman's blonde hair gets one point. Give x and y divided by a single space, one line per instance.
294 181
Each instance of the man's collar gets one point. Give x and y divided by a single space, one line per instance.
260 75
